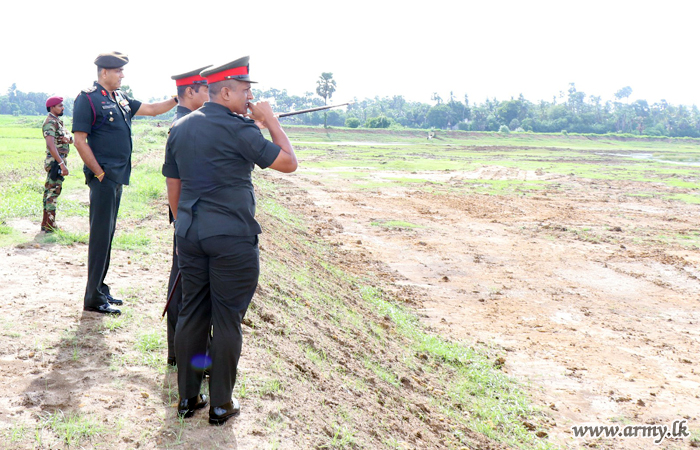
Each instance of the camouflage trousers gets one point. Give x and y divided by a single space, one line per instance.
52 189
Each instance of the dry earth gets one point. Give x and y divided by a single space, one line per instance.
592 308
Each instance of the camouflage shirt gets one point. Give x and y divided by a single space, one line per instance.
53 126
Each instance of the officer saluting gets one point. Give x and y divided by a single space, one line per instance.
192 92
209 158
102 129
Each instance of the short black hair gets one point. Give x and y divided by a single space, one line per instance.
181 89
215 88
48 109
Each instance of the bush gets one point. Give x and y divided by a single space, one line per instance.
352 122
464 126
378 122
504 129
564 132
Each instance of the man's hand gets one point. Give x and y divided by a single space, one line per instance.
64 169
261 113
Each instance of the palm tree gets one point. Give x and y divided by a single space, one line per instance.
325 87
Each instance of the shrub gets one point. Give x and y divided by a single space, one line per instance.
352 122
504 129
378 122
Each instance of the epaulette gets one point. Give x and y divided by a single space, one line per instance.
90 89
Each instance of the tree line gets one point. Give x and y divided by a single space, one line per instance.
571 111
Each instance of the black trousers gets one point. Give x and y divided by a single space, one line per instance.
104 207
174 307
219 278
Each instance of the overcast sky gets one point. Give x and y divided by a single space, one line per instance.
373 48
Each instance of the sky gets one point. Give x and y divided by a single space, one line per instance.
485 49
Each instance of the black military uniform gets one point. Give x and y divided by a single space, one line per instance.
213 152
107 122
191 78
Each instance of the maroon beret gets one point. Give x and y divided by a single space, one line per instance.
53 101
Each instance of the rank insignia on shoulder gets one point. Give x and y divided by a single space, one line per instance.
90 89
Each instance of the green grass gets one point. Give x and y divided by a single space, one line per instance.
394 224
73 428
65 237
137 240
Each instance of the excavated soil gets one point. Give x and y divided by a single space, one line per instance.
594 310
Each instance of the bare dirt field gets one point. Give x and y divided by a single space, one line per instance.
590 295
592 309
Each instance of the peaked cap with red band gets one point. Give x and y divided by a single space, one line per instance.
235 70
190 78
53 101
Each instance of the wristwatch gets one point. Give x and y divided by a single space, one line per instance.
175 98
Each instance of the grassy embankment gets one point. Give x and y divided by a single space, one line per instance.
338 363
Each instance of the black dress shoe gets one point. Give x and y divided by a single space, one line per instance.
172 361
103 309
114 301
188 406
220 414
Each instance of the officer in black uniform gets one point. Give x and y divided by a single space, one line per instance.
209 158
102 129
192 92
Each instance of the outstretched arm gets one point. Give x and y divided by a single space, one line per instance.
153 109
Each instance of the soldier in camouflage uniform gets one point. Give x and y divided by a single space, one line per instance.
58 141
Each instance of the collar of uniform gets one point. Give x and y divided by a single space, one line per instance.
183 109
54 116
99 88
225 109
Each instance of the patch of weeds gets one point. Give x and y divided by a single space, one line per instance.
112 323
315 356
17 432
271 387
496 402
695 438
63 237
149 346
170 392
274 209
241 385
394 224
341 436
72 427
136 241
383 373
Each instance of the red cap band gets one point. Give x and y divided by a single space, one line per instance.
227 74
194 79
